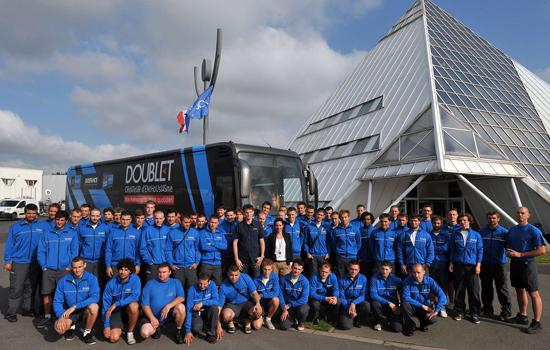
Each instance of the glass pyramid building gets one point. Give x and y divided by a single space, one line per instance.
433 99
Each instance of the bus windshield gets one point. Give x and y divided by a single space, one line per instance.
275 179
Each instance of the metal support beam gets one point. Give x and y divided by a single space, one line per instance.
515 191
369 196
487 199
403 195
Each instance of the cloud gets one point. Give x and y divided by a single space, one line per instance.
24 145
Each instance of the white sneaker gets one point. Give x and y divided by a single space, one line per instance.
443 313
269 324
378 327
130 338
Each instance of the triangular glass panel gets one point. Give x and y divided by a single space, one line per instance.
409 141
391 155
424 149
485 150
448 121
456 148
425 121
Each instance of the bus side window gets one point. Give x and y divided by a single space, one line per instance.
224 191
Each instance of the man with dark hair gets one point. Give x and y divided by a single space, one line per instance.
21 262
266 209
365 254
324 294
194 218
220 213
249 244
354 308
394 214
139 220
384 242
346 242
117 214
122 242
416 300
149 208
309 216
317 243
239 299
267 229
121 303
75 220
76 299
384 292
85 210
294 297
212 243
328 214
426 223
183 252
153 245
172 219
492 267
108 216
228 227
50 221
92 236
56 249
301 212
202 310
162 299
268 287
439 270
415 246
293 229
357 222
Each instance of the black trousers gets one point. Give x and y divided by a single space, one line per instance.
383 314
215 271
367 268
466 280
490 273
151 271
251 269
24 285
205 320
340 266
409 311
298 313
346 322
313 265
186 275
324 309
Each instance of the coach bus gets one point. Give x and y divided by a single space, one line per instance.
195 179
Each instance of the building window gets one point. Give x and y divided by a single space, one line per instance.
31 183
8 182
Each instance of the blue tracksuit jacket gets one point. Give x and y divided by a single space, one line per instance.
183 248
346 241
92 241
419 294
120 293
469 254
22 242
57 248
72 291
421 252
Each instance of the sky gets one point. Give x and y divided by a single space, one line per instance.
84 81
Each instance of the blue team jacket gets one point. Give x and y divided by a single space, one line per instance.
228 229
469 254
72 291
57 248
442 246
237 293
319 290
316 240
353 290
385 290
383 243
346 241
269 290
296 236
208 297
419 294
122 243
296 294
183 248
120 293
366 251
422 252
92 241
153 244
22 242
494 244
211 246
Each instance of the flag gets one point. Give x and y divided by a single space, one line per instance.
183 120
200 107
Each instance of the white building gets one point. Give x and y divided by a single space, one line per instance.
19 183
434 114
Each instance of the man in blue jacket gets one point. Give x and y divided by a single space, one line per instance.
75 221
211 243
76 299
365 254
492 267
384 242
122 242
292 228
202 310
266 228
394 213
183 252
56 249
268 287
354 308
152 245
316 245
346 242
358 222
385 288
294 297
21 262
52 211
415 246
121 302
228 227
416 300
426 223
466 256
439 270
92 236
324 294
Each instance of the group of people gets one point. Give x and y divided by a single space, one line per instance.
247 268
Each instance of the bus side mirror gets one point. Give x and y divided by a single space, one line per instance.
245 180
311 182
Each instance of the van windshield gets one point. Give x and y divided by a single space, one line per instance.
8 203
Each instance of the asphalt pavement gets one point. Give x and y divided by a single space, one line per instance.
446 334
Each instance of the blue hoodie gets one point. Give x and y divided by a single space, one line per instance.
121 294
419 294
78 292
208 297
494 244
22 242
228 229
421 252
122 243
296 294
353 290
346 241
319 290
384 245
92 241
385 290
469 254
211 246
237 293
316 240
269 290
153 244
57 248
182 248
296 236
442 246
366 252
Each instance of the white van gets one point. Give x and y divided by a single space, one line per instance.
14 208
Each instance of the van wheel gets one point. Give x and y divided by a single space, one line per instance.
14 216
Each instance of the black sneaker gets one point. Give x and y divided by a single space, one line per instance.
179 336
408 332
156 335
43 322
521 319
534 327
11 318
316 322
356 322
212 339
475 319
423 328
89 339
69 334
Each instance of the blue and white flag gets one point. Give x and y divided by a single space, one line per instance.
200 107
